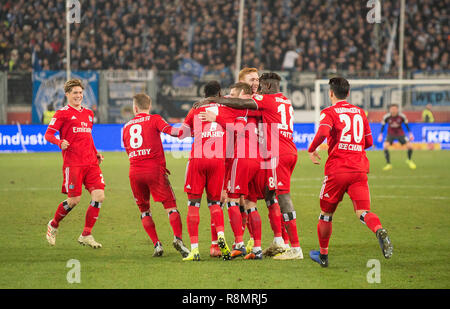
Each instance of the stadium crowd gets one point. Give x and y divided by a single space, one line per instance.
316 35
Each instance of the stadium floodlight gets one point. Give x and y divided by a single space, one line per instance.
239 40
426 85
68 6
73 15
401 38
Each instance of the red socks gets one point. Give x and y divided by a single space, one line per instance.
213 232
275 219
290 223
234 215
149 226
371 220
175 222
193 220
284 234
62 210
255 223
217 216
324 229
91 217
244 217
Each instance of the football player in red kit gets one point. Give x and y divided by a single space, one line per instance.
348 134
80 162
206 170
250 76
277 114
148 173
246 178
234 206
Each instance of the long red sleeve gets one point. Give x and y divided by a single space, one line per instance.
172 131
322 133
50 137
368 141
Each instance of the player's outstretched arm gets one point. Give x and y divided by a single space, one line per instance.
368 141
50 137
187 126
172 131
314 156
166 128
237 103
230 102
322 133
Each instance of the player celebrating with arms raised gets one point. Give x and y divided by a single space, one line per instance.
347 131
80 162
148 173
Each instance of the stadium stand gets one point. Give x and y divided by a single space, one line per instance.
316 35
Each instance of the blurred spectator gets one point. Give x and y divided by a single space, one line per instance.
297 35
427 114
289 59
13 63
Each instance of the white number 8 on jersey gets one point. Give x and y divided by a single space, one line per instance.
135 136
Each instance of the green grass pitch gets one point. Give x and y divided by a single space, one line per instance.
412 205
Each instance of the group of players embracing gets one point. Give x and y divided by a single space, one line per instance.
242 152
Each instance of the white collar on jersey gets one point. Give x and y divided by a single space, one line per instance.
80 110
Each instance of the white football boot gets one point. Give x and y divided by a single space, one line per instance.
291 254
89 241
158 250
51 233
180 247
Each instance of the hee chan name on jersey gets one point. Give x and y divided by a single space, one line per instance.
351 147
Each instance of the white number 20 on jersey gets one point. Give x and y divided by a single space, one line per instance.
357 128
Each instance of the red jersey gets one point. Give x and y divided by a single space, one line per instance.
349 128
248 142
245 128
210 138
75 126
142 140
277 114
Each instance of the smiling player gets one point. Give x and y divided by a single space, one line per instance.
80 162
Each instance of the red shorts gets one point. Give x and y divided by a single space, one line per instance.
155 182
228 165
335 186
285 165
259 185
242 173
202 173
75 176
262 181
